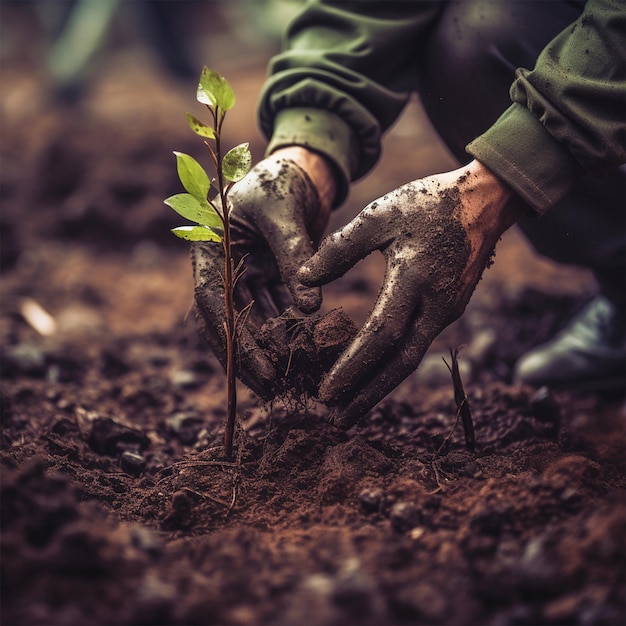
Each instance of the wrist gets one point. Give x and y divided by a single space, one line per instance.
319 170
488 202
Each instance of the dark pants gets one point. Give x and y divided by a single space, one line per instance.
470 61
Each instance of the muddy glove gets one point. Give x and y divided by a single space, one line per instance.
437 235
277 214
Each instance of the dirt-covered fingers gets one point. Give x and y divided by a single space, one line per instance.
291 247
291 252
344 248
260 283
400 364
253 366
207 262
252 294
382 333
270 300
280 212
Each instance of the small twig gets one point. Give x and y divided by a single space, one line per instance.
440 448
233 500
240 270
243 315
449 435
205 495
196 464
295 325
289 361
463 413
462 403
439 485
189 310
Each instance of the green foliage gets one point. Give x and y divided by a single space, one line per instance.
215 91
194 210
196 233
193 177
200 128
236 163
195 205
213 215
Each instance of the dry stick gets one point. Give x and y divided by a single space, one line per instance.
206 496
441 447
463 412
462 403
289 361
199 463
183 464
439 485
449 435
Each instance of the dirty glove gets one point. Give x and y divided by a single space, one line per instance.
437 235
277 214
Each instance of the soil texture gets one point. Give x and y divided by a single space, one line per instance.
118 506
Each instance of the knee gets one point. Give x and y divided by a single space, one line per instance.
472 54
479 37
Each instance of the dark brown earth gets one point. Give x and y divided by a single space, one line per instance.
117 504
302 348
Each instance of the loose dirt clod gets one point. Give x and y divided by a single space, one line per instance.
303 349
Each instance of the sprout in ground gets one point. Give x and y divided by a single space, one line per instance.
211 216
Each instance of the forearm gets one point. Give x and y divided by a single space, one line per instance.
568 112
352 65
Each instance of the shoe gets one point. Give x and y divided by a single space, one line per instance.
589 354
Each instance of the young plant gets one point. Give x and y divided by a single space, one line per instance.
210 210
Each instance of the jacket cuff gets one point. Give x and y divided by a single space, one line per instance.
322 132
519 150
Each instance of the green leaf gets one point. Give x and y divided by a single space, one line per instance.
237 162
192 175
215 90
196 233
192 209
199 127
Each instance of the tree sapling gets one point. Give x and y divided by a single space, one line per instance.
210 213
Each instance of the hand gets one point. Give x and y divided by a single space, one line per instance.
279 210
437 235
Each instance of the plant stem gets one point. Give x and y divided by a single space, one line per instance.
229 302
229 323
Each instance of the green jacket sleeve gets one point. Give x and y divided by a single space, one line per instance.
346 72
568 115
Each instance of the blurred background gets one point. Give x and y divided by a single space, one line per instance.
92 101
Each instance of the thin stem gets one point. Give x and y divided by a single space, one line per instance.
229 301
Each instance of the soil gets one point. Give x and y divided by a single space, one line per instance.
117 504
303 348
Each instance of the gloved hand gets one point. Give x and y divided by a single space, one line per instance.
279 211
437 235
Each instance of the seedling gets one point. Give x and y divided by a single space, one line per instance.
209 210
